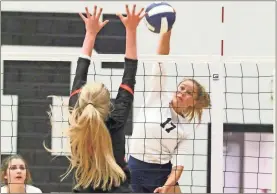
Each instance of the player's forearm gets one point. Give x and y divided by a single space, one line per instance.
88 44
164 44
131 44
174 176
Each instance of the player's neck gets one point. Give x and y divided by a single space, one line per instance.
180 111
16 188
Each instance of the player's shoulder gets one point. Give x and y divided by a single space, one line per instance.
29 189
32 189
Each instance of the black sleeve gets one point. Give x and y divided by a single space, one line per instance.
125 95
80 79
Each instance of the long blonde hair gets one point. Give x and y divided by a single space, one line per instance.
90 141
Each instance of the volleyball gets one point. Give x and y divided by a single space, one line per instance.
160 17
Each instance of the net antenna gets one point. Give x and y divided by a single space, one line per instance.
272 98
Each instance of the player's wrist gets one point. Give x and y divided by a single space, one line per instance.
91 34
131 30
168 186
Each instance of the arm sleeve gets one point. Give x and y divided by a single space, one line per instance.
157 81
80 79
125 95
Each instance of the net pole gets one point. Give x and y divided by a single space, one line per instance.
217 128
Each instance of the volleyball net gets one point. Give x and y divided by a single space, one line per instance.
237 152
248 129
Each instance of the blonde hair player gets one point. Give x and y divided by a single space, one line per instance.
163 135
97 137
16 176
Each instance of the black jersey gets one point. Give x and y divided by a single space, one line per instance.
117 119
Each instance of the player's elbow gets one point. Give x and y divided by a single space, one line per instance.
178 170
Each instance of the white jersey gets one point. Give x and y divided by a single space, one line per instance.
29 189
161 134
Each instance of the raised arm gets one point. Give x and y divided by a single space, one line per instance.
125 96
158 79
93 26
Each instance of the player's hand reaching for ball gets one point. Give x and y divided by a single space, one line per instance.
93 25
132 19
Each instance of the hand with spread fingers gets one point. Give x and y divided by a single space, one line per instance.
93 25
132 19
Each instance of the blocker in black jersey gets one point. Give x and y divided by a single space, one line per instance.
117 118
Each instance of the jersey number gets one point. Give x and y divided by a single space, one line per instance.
168 127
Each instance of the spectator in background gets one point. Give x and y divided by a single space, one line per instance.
16 176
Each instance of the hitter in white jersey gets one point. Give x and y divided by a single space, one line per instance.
158 142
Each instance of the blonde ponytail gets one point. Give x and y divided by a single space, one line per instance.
91 145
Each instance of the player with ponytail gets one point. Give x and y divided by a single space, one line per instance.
97 137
